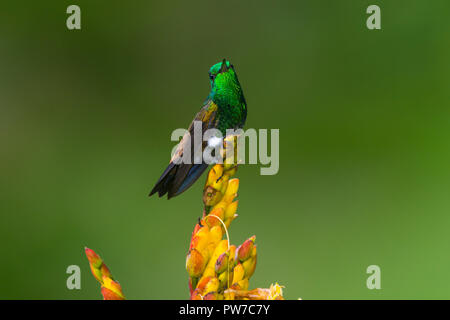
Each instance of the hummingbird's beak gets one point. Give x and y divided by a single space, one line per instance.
224 67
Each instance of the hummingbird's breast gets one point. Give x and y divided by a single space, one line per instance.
231 117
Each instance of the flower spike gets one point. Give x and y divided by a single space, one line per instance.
110 288
218 270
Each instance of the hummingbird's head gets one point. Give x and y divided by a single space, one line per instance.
224 82
221 70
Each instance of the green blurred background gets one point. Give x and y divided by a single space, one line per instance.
86 117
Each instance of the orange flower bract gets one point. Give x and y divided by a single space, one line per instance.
110 289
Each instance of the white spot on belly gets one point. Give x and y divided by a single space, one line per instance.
214 142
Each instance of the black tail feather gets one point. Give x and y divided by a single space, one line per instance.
177 178
163 183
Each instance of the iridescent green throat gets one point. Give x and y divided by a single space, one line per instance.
227 93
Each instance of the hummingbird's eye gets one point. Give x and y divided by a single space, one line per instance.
211 76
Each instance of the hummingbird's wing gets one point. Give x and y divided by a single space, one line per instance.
179 176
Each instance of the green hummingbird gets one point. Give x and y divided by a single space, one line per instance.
224 108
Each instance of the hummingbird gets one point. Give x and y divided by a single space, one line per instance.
224 108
